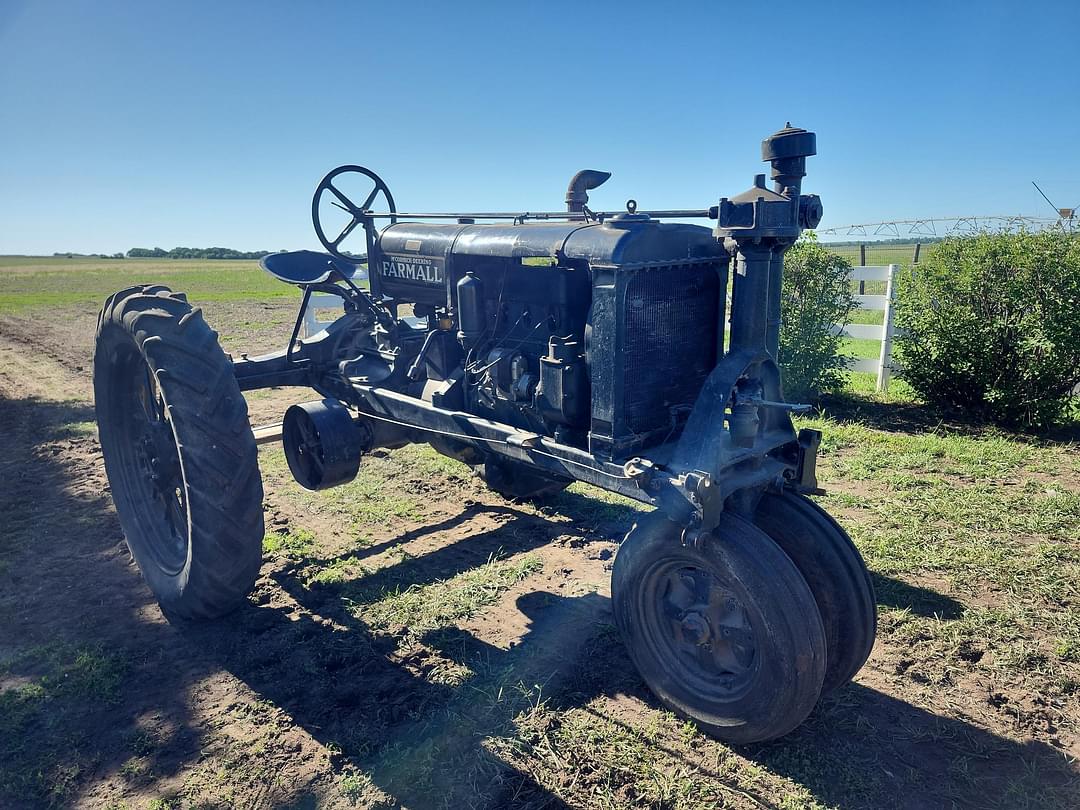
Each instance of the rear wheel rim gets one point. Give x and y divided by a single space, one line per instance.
151 472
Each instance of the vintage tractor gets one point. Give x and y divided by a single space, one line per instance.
540 349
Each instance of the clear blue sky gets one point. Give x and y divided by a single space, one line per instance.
209 123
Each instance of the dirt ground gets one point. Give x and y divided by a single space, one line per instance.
318 694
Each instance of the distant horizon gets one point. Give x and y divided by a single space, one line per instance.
880 239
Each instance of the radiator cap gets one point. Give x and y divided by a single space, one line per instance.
629 218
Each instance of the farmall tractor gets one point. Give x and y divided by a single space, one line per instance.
540 349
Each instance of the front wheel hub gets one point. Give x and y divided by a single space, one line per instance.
703 625
695 629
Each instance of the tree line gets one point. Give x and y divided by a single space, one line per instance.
195 253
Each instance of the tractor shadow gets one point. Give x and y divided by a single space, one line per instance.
895 593
90 673
381 701
863 748
390 704
384 702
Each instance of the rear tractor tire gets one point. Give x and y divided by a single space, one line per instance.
722 627
179 452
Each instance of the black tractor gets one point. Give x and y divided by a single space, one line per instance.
540 349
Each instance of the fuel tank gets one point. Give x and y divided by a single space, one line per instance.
415 261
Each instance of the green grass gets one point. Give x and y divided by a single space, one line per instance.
54 683
288 543
864 384
618 766
29 282
419 608
860 347
383 493
988 514
880 254
874 317
61 670
594 506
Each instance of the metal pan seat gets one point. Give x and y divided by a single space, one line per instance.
304 267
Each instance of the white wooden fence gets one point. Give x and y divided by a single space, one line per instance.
882 366
321 310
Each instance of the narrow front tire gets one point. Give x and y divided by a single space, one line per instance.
722 627
833 568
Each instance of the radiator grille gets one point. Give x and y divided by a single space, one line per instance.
670 327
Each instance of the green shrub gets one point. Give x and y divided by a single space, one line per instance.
992 326
816 295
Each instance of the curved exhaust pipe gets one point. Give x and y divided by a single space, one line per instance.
577 193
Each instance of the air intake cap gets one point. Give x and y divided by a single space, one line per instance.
790 142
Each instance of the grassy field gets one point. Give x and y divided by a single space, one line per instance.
33 282
27 282
415 641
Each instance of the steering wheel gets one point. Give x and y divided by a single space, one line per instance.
357 212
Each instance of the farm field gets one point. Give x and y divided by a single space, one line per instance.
416 641
879 253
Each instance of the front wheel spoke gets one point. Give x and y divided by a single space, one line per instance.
735 650
679 592
671 609
703 587
707 659
722 604
740 637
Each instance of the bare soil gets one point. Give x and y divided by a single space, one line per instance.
296 702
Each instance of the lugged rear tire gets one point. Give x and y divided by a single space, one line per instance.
179 452
833 568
